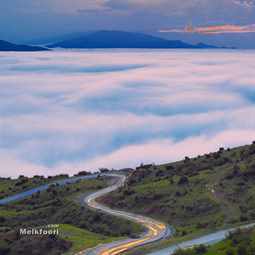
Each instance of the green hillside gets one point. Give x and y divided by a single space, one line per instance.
208 192
79 227
242 242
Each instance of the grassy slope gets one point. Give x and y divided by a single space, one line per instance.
200 194
13 186
81 239
239 243
78 224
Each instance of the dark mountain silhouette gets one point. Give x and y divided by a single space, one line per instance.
7 46
120 39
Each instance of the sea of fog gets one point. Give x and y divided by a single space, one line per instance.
68 111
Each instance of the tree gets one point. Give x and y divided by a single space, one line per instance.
104 170
187 159
201 249
183 180
81 173
221 149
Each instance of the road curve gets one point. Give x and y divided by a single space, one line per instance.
28 193
155 230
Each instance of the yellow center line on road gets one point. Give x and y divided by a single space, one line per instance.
154 230
124 247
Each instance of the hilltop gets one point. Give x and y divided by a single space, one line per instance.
7 46
205 193
121 39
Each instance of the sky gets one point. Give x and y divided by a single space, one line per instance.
28 19
65 111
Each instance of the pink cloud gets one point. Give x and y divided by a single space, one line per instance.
211 82
218 29
165 151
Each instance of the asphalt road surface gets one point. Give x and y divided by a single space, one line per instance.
155 230
25 194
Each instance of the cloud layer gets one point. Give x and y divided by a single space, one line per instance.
64 112
212 30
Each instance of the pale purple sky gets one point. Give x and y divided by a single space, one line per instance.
30 19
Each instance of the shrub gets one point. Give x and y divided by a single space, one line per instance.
183 180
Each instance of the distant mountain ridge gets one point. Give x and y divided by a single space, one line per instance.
7 46
120 39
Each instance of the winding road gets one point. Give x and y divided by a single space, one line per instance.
30 192
155 230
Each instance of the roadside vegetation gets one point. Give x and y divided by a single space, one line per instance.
79 226
82 239
10 186
241 242
194 195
